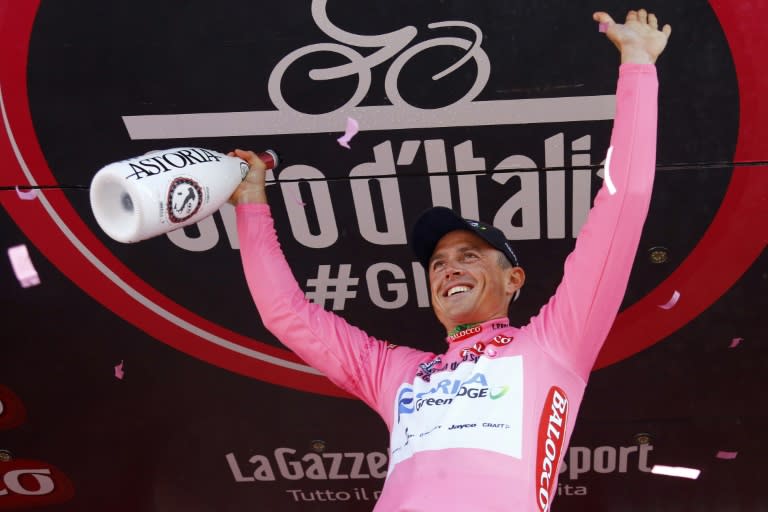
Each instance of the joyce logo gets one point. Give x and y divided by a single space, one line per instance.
185 197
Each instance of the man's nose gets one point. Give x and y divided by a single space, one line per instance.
452 269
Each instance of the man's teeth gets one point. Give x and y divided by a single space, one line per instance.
457 289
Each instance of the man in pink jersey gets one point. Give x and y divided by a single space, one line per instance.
484 425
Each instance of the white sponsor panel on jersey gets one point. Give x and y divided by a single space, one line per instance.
432 415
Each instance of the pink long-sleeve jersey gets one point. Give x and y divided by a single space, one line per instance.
483 426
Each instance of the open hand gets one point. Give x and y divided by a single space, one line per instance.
639 39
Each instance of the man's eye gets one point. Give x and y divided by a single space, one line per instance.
470 256
437 265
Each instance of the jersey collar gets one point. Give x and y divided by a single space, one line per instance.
470 331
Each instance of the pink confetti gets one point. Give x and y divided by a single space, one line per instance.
352 128
735 342
726 455
490 352
119 373
603 27
27 196
298 200
22 266
672 301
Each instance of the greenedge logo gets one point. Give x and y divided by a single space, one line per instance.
445 392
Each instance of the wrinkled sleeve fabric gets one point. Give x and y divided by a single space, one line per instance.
350 358
573 325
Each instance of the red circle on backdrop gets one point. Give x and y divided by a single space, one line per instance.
736 236
12 411
33 476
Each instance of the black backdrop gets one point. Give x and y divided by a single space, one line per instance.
195 426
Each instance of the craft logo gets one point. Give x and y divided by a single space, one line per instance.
185 197
554 420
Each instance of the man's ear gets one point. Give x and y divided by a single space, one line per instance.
515 279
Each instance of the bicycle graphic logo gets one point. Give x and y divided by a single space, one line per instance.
388 45
395 46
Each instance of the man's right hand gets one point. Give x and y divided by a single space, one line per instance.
253 187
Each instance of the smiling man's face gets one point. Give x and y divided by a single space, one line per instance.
470 281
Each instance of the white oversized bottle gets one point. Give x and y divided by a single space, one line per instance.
165 190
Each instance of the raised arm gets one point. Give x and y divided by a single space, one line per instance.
577 319
349 357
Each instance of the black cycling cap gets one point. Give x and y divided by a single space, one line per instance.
435 223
